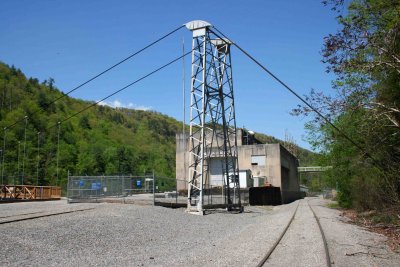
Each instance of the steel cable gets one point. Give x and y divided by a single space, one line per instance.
101 73
122 89
367 154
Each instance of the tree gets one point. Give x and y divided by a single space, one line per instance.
84 122
365 57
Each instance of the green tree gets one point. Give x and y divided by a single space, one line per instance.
365 57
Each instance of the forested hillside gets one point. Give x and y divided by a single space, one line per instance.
101 140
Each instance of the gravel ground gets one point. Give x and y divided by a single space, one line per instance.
137 235
351 245
302 244
116 234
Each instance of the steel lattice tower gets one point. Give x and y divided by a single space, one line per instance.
212 119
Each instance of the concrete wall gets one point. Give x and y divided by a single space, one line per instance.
244 158
182 157
271 168
279 168
290 187
182 160
273 164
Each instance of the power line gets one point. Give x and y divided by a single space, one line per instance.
79 86
122 89
97 102
295 94
101 73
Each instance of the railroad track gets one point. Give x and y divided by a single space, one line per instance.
264 260
8 216
327 256
35 215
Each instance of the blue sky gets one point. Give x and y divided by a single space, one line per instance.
72 40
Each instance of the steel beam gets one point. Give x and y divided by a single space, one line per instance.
212 119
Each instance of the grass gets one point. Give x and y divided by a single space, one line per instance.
386 219
333 205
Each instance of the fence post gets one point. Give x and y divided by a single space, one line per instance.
104 184
154 191
122 189
176 191
95 180
68 188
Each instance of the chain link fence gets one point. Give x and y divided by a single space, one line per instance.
146 189
103 188
173 193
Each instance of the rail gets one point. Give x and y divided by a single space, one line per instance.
263 261
23 217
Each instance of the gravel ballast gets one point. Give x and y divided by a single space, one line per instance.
134 235
116 234
302 245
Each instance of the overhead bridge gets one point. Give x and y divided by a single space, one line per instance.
314 169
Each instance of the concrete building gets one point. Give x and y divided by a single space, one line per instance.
259 165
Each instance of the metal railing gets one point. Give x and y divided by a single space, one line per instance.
314 169
29 192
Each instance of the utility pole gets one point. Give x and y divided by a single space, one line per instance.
184 120
58 148
38 158
2 181
3 155
19 146
23 158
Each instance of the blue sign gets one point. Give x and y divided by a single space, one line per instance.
96 186
139 183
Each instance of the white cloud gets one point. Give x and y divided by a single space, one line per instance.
119 104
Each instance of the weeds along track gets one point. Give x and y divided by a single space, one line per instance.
264 260
35 215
